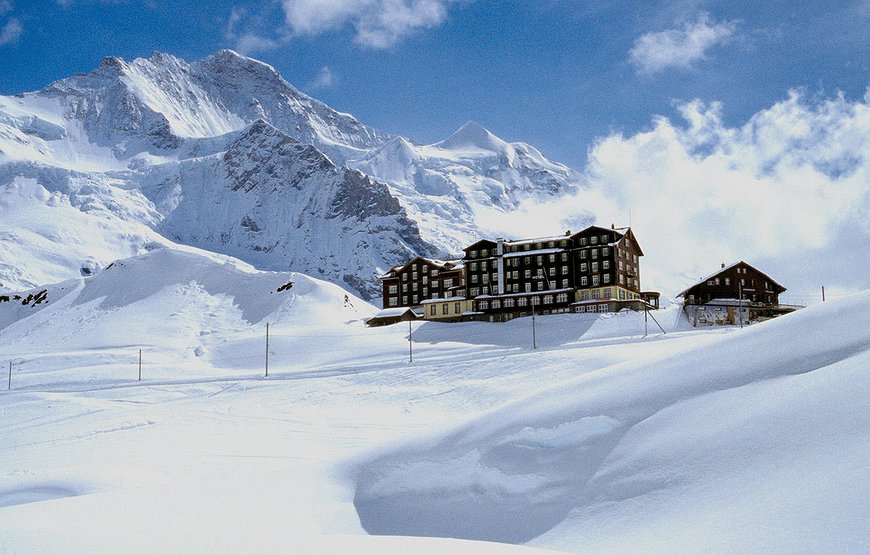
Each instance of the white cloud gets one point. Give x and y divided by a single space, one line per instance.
378 23
10 32
249 43
679 48
324 79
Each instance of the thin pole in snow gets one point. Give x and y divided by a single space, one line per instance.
267 349
645 319
410 343
823 293
740 303
10 375
140 365
534 331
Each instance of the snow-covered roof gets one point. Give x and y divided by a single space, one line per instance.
444 300
392 312
532 253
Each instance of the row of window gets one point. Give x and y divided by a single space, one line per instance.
522 301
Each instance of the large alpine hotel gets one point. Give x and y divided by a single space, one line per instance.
594 270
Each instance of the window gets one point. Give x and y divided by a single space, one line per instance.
435 295
604 238
394 288
536 301
516 287
434 272
562 298
515 274
602 308
540 286
539 260
595 279
527 260
528 287
727 281
473 278
584 281
621 279
425 291
474 291
584 267
527 274
548 299
445 308
605 251
607 293
551 244
635 259
593 240
425 280
485 290
709 282
552 258
552 271
483 265
432 310
484 305
485 278
414 276
393 301
472 254
473 266
582 254
595 266
404 288
425 269
414 267
522 301
564 256
621 267
606 278
413 287
564 270
496 304
494 277
416 299
605 264
552 284
448 283
484 252
508 303
404 299
404 277
457 307
594 253
717 281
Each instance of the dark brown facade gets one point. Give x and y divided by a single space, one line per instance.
553 273
422 279
738 281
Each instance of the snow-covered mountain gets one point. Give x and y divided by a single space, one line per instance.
226 155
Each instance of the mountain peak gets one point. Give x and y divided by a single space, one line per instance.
474 135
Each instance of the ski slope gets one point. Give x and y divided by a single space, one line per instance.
602 440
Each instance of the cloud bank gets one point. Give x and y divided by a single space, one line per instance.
789 191
681 47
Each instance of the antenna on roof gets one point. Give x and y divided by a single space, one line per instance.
629 216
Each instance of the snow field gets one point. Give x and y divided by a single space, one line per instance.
601 440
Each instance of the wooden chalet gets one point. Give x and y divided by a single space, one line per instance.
736 293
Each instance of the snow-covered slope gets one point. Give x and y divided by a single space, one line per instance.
147 138
757 442
603 439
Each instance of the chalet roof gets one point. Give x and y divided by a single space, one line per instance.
442 264
725 269
487 242
442 300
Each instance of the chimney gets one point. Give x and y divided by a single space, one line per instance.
567 233
723 265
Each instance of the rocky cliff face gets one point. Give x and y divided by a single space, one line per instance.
224 154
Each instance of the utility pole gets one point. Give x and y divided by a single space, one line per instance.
645 319
140 365
823 293
410 343
267 349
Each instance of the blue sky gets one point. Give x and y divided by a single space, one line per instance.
553 73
